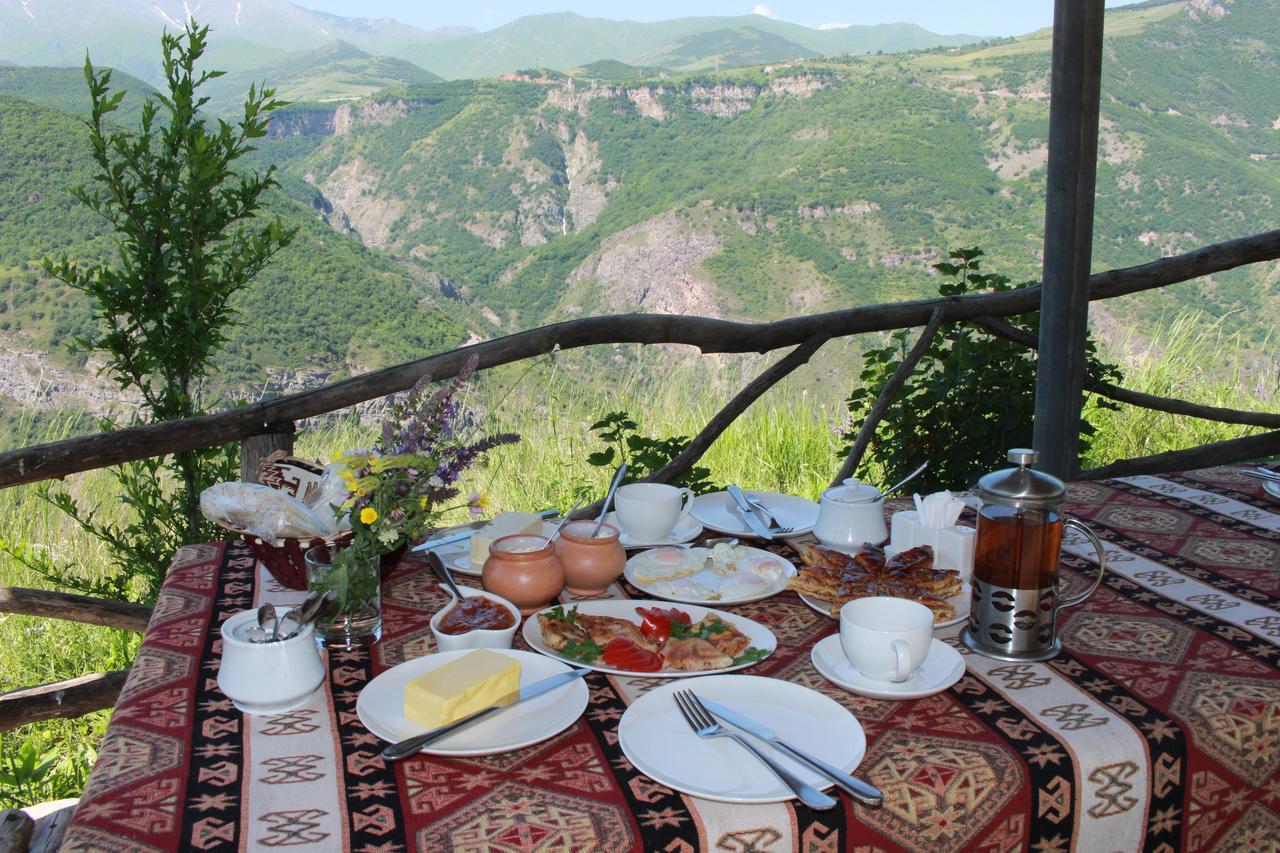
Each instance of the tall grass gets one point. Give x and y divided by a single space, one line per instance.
787 441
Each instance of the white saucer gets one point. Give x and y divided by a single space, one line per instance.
1272 489
687 529
942 668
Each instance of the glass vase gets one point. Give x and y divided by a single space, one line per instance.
354 617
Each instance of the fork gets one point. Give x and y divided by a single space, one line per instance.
705 726
770 519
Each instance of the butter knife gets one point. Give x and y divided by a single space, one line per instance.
409 746
858 789
463 535
748 514
1262 474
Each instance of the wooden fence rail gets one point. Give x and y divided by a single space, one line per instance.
47 461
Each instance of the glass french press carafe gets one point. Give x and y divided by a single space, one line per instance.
1016 596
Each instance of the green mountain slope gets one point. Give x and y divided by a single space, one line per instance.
337 71
759 193
727 48
326 305
567 40
64 89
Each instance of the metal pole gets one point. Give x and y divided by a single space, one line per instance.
1068 232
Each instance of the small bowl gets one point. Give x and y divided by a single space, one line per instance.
268 678
478 638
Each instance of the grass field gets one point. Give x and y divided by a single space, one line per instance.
788 442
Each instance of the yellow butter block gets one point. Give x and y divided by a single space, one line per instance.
470 683
504 524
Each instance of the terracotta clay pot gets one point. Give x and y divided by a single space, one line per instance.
590 564
525 570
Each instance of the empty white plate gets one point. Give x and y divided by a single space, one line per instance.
656 738
718 511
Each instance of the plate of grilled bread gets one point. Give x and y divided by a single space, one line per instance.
830 577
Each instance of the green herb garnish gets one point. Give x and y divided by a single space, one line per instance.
560 614
585 651
751 655
681 631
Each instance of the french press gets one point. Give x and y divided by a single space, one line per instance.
1016 598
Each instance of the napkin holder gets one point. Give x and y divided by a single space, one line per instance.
952 546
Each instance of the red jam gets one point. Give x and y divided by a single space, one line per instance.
474 613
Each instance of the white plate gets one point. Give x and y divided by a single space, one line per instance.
760 636
962 601
687 529
1271 488
719 512
381 707
708 576
942 668
656 739
458 555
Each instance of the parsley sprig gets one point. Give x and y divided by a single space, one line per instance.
708 627
750 655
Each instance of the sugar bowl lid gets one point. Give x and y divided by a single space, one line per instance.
853 491
1022 486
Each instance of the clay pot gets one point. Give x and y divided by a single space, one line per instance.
525 570
590 564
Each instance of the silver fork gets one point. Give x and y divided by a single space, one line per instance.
770 519
705 726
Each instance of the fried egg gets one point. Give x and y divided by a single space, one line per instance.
743 585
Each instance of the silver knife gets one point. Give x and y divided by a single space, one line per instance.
463 535
749 514
1262 474
409 746
859 790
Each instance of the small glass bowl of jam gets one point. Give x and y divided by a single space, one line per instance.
480 620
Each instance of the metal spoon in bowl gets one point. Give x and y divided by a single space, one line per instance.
565 520
907 479
266 613
608 498
294 616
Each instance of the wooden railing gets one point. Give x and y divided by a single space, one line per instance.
269 425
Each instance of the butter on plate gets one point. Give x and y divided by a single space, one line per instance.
460 687
504 524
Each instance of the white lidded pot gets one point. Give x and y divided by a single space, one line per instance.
851 514
268 678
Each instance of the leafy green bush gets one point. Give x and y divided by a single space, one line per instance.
970 398
643 455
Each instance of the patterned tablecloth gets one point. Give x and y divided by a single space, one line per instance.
1157 728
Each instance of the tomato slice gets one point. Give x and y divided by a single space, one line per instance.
656 626
621 653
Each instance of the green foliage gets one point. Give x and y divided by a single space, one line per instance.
181 219
643 455
970 398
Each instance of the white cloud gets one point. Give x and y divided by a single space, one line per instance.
840 25
762 9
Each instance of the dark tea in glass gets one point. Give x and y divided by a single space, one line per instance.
1017 547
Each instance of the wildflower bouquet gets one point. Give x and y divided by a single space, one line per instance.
398 489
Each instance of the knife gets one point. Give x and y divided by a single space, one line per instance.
749 514
859 790
409 746
1262 474
463 535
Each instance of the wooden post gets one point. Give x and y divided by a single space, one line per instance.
255 448
1068 232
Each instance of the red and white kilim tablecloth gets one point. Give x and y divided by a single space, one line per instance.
1157 728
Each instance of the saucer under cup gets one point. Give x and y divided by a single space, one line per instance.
886 638
649 511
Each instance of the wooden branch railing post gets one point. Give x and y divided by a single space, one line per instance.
74 608
255 448
61 700
885 398
1205 456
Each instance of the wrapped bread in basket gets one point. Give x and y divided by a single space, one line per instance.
283 515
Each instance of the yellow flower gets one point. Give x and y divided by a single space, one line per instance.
423 503
368 515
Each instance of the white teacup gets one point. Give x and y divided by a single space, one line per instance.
649 511
886 638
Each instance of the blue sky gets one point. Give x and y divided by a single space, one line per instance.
979 17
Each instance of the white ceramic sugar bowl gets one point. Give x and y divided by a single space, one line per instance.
267 678
851 514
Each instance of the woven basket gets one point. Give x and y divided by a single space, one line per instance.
284 558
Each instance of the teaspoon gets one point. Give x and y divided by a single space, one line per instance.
608 498
906 479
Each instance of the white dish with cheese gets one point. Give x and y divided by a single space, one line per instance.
381 706
459 555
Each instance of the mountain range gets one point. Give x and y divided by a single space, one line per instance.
441 211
